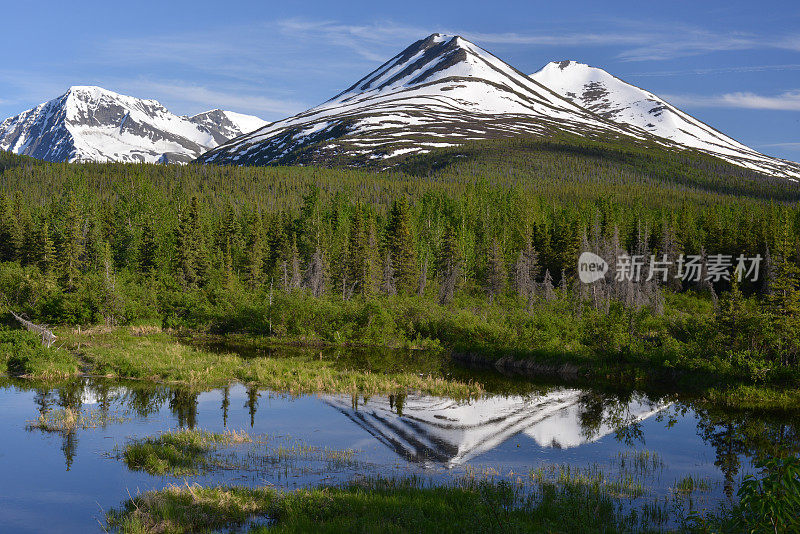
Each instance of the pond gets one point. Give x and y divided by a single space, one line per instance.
65 480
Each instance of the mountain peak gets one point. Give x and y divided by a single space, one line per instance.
566 64
423 61
442 87
92 89
91 123
616 100
94 93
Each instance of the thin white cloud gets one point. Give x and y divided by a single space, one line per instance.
715 70
364 40
558 39
790 146
787 101
273 48
640 41
690 42
197 95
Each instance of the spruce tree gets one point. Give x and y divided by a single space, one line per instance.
450 265
495 270
46 256
92 257
400 240
784 295
148 248
388 280
361 251
255 253
192 258
229 237
111 304
227 264
309 224
10 232
72 246
296 275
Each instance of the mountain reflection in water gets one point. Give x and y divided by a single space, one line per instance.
440 430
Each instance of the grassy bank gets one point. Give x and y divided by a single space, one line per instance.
22 354
147 353
296 365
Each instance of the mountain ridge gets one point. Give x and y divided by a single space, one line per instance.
444 90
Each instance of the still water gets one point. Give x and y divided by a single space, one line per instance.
64 481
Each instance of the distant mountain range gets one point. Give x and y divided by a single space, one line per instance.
93 124
441 91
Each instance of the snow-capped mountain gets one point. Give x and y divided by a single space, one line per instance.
448 432
93 124
440 91
618 101
444 90
227 124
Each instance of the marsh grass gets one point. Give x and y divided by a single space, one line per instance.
184 453
190 508
691 484
298 456
378 504
69 419
641 462
622 485
181 452
149 354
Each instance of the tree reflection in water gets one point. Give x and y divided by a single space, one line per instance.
450 432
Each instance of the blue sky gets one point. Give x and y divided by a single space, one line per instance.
733 64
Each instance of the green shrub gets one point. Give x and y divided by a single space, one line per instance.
771 503
22 353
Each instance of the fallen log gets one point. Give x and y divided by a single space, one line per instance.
48 337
